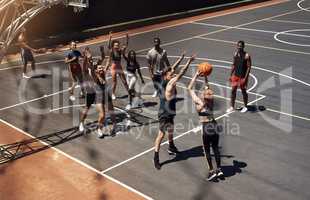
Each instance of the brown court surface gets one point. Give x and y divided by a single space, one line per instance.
51 175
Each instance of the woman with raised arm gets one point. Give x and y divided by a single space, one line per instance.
131 68
210 137
115 57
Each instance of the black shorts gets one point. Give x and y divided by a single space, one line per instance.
166 124
26 56
101 96
210 137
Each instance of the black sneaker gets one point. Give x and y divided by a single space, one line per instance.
156 163
219 173
212 174
173 150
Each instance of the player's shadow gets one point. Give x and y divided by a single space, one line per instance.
190 153
232 170
255 108
149 104
38 76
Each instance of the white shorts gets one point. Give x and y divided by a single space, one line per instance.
131 80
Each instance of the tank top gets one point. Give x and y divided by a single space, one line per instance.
240 63
116 56
132 67
167 108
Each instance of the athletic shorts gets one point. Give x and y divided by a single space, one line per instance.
236 82
166 124
101 96
116 67
26 55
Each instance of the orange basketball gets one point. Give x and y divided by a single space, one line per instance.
205 68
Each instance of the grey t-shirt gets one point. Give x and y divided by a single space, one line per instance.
158 59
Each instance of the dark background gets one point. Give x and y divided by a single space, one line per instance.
60 24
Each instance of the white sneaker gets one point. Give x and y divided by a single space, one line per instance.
81 127
229 110
244 109
25 76
155 94
99 133
128 107
113 97
72 98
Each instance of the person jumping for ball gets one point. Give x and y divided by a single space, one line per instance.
239 76
167 107
210 137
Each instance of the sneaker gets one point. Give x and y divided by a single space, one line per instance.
113 97
82 95
100 133
156 163
211 175
155 94
230 109
113 131
219 172
244 109
172 150
81 127
25 76
72 98
128 107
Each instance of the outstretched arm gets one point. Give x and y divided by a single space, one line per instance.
182 72
194 96
110 40
177 63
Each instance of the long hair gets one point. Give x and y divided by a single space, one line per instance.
134 59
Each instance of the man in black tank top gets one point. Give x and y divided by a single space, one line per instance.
167 107
239 76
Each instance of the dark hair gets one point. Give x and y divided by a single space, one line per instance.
156 38
241 42
101 48
113 42
129 58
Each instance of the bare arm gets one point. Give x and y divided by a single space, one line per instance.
108 63
182 72
249 65
110 40
194 96
140 74
177 63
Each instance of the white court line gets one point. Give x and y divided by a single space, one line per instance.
288 21
291 43
196 129
288 114
254 45
255 67
302 8
80 162
35 99
164 27
251 29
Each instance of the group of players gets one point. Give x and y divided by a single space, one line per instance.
91 76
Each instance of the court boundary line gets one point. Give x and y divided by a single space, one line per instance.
250 29
129 188
288 21
255 45
196 129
